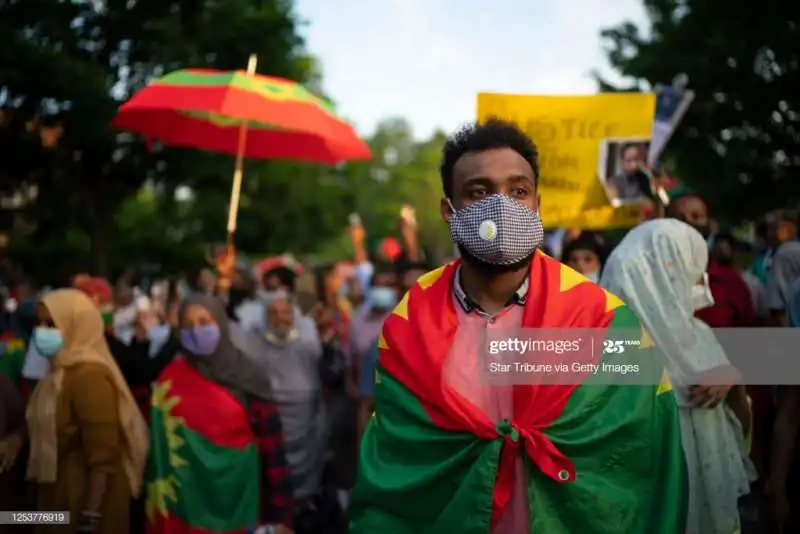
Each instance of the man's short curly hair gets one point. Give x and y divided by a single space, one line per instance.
488 135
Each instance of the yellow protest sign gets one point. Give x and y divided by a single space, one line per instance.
569 131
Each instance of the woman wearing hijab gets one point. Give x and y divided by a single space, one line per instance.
217 460
658 270
88 441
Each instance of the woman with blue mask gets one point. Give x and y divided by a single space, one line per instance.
88 440
229 416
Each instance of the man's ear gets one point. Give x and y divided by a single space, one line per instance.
444 209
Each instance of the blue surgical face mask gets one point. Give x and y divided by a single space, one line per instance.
382 298
594 276
200 340
48 341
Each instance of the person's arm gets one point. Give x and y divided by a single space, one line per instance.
94 401
363 273
363 267
225 266
277 491
408 231
611 190
357 236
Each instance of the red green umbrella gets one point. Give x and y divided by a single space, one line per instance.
244 114
205 109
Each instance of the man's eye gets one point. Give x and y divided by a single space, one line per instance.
520 192
478 193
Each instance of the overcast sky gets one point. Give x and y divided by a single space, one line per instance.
425 60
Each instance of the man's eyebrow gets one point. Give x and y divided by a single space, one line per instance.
520 178
477 179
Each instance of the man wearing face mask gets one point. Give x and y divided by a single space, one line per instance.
585 255
281 282
364 330
293 360
730 304
449 448
692 210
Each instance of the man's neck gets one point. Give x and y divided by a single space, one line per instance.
491 292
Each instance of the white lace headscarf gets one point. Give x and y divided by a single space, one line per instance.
654 271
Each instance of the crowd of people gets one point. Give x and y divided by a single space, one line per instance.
231 400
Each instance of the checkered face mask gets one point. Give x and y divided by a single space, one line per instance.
498 230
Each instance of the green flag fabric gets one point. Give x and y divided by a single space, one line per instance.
599 458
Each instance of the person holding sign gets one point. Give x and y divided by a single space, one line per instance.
448 451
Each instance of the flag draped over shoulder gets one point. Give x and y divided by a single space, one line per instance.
600 459
202 472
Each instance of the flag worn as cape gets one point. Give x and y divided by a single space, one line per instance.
203 465
599 459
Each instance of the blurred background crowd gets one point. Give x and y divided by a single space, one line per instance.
324 253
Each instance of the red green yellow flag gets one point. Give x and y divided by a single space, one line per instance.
202 472
600 458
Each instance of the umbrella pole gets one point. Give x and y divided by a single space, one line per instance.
236 187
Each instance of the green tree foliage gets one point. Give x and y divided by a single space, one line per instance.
66 67
737 145
402 171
